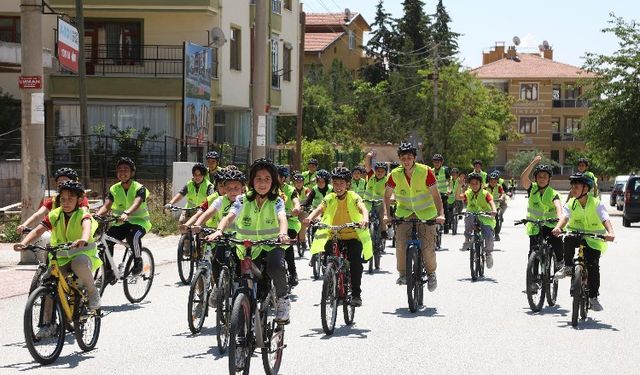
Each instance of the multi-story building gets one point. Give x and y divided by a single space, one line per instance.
330 36
548 106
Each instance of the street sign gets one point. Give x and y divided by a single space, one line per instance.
68 45
30 82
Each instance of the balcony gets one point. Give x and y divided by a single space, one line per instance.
567 137
212 5
571 103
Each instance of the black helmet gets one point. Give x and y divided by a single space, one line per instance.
407 148
298 177
341 173
313 161
581 178
454 170
584 160
477 161
359 168
73 186
323 174
235 175
437 157
66 172
474 176
283 171
382 165
199 167
127 161
543 168
213 155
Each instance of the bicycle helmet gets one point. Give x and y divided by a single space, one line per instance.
235 175
437 157
283 171
313 161
543 168
359 168
394 165
298 177
66 172
584 160
407 148
474 176
381 165
454 170
477 161
341 173
73 186
199 167
323 174
213 155
494 175
127 161
581 178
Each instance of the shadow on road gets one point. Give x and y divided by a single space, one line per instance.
207 331
212 352
124 307
63 362
480 280
422 312
589 324
340 331
549 310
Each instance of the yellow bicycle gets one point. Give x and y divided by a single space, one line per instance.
59 305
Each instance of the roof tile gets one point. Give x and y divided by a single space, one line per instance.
317 42
530 66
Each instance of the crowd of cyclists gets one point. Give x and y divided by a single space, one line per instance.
272 202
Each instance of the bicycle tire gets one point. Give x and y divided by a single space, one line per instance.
37 298
329 299
300 248
273 335
80 326
412 259
317 266
98 279
454 222
223 309
439 231
185 262
349 311
499 220
240 328
535 287
197 301
481 259
36 280
576 293
148 271
473 264
551 291
376 259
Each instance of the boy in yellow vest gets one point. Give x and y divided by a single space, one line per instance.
302 192
443 178
585 213
358 180
128 200
340 207
499 197
196 190
292 208
376 186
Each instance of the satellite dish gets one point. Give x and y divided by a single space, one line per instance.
545 44
347 14
540 47
516 40
217 37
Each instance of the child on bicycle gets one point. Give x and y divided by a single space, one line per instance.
260 215
292 207
497 192
196 190
70 223
319 190
478 200
302 191
585 213
377 180
128 200
340 207
358 180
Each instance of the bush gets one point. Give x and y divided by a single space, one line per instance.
8 232
318 149
163 224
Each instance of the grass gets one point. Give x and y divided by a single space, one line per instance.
164 224
8 232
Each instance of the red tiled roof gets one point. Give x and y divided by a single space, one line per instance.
317 42
530 66
328 18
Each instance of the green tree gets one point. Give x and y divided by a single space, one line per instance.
414 27
10 119
611 127
379 45
443 37
516 165
319 149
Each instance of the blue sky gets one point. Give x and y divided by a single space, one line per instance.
572 27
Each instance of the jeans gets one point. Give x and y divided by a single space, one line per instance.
427 237
487 233
274 261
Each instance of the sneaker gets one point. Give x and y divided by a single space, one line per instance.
47 331
137 267
466 245
213 296
356 301
110 277
282 310
402 280
559 266
313 258
94 301
489 260
564 272
595 304
432 282
496 237
293 279
198 311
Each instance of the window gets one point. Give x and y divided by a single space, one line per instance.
528 125
572 92
287 4
572 125
275 66
276 6
556 92
555 125
352 40
114 42
10 29
235 51
286 63
555 155
528 91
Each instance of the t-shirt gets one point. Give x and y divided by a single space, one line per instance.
47 223
48 203
430 181
236 207
141 193
603 214
185 191
342 217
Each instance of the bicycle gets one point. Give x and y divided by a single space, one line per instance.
296 241
541 267
252 316
199 289
376 238
187 258
499 221
336 286
454 216
477 253
416 272
60 304
136 287
580 278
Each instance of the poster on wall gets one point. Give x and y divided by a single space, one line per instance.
67 46
196 102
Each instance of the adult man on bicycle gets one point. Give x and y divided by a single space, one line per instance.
588 214
443 178
417 197
340 207
544 203
499 197
292 208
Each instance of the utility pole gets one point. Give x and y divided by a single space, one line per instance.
298 160
259 95
34 179
82 92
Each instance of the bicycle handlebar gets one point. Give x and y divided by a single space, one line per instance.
482 213
578 234
176 208
106 219
537 222
336 228
229 237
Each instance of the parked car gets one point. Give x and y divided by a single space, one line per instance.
620 202
617 190
631 210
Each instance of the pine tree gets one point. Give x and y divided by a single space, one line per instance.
442 36
378 46
414 27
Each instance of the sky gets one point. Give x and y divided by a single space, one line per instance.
572 27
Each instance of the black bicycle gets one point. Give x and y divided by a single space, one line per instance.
188 252
416 274
376 237
477 252
455 210
541 267
201 287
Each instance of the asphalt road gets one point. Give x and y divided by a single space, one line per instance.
482 327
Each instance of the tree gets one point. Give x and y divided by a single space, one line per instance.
445 39
516 165
379 46
414 27
10 117
318 114
611 127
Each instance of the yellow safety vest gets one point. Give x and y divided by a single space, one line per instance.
540 208
195 197
293 221
416 198
478 203
62 232
586 219
256 223
122 201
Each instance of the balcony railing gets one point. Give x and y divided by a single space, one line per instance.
567 137
572 103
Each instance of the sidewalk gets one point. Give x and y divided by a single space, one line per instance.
15 278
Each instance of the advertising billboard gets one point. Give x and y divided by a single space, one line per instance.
68 45
197 94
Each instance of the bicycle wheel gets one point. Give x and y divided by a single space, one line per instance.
36 280
98 279
273 335
137 287
576 293
86 326
551 289
240 346
474 260
300 248
185 261
498 221
481 260
348 311
329 301
223 309
377 254
46 348
535 282
197 304
317 265
413 277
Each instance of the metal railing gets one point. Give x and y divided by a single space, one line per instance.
571 103
567 137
